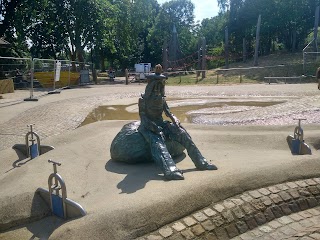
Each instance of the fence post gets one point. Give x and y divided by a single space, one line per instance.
31 79
126 75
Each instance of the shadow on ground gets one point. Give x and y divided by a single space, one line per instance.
137 175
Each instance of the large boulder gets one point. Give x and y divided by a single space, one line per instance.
130 146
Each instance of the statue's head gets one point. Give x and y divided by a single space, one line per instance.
158 69
156 83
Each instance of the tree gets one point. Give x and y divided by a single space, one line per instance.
180 14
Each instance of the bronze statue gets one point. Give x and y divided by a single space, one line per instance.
156 130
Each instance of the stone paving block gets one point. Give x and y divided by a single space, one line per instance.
238 212
296 226
218 220
251 222
275 224
257 204
317 180
228 204
304 192
306 223
200 216
208 225
265 229
260 218
221 234
242 226
178 226
273 189
276 198
303 204
266 201
287 230
236 238
285 208
187 234
257 233
313 190
237 201
189 221
306 238
264 191
294 207
218 207
311 182
197 230
301 234
296 217
166 232
246 197
247 208
209 236
285 220
232 230
315 236
315 221
277 235
154 237
176 236
276 211
247 236
314 211
312 202
301 183
269 214
285 196
292 185
209 212
305 214
255 194
228 216
282 186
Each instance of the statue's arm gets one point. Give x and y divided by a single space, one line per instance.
145 121
169 114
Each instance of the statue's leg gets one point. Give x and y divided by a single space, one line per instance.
162 157
181 136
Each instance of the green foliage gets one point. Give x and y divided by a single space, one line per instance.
120 33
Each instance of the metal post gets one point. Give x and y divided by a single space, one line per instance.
31 87
54 75
32 134
57 179
127 76
203 60
32 70
69 72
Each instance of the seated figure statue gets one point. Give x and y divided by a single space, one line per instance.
155 130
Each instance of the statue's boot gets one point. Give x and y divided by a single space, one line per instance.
163 159
199 161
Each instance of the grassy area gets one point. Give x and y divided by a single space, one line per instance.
274 65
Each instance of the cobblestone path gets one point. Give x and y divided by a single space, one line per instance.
284 211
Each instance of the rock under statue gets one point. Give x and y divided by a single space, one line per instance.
154 138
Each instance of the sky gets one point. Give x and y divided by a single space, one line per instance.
203 8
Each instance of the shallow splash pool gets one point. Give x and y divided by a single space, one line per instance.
190 110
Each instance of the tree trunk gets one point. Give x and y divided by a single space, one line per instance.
102 66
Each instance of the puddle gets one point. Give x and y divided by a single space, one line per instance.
187 110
